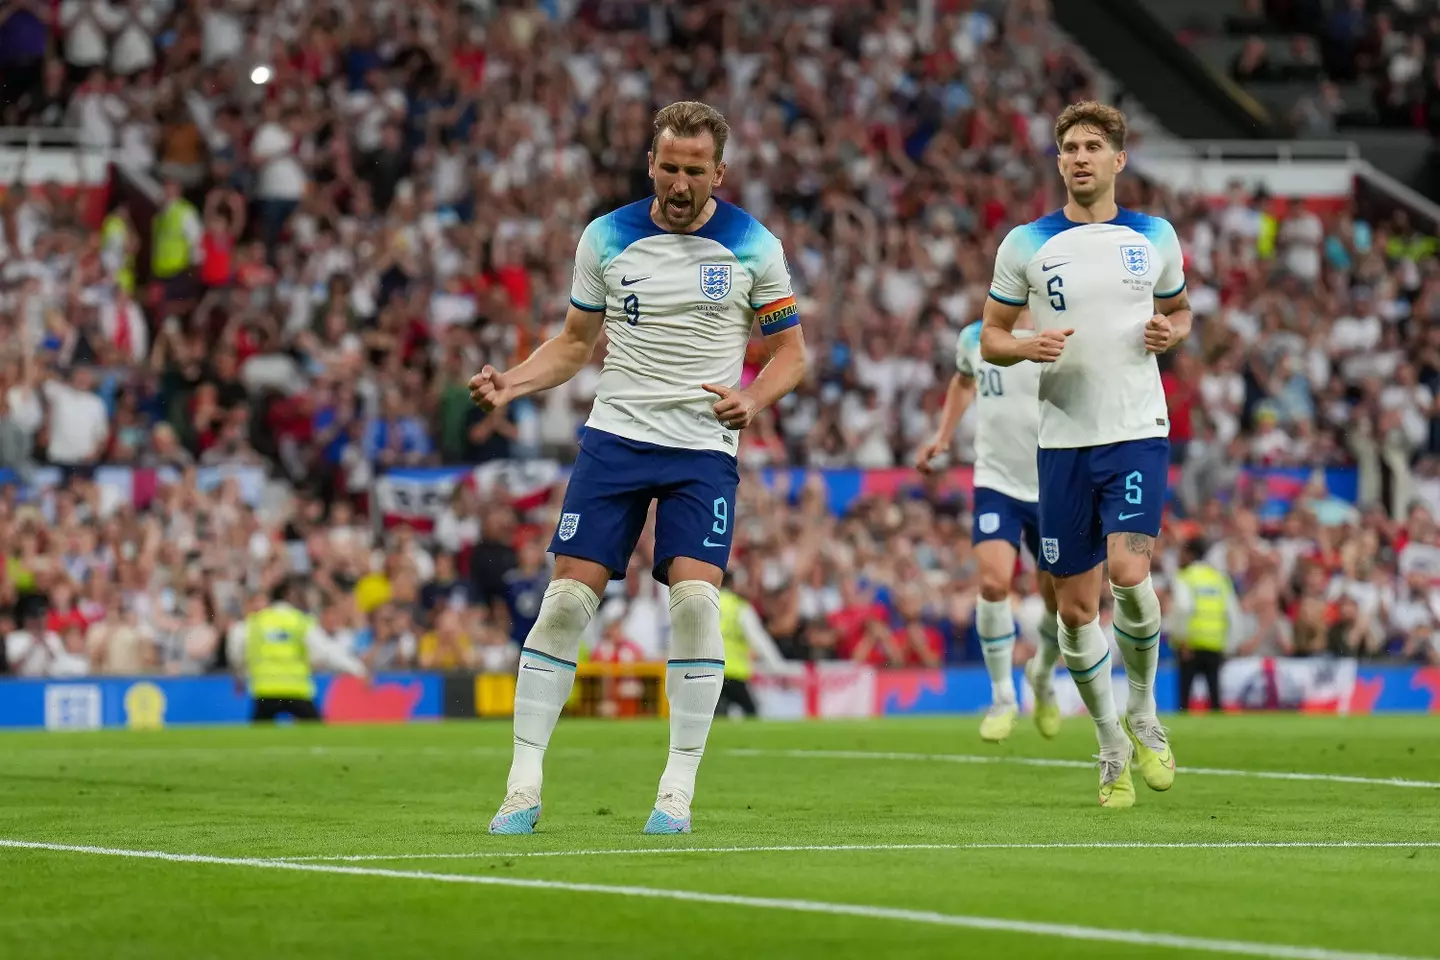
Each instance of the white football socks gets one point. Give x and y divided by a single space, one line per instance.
693 678
1137 632
996 626
547 672
1047 653
1087 655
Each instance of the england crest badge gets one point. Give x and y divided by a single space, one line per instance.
569 523
715 280
1050 547
1136 260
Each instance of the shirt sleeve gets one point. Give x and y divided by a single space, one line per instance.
1010 285
965 351
1171 282
771 296
587 289
326 653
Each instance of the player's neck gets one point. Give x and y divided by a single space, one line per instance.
706 213
1102 210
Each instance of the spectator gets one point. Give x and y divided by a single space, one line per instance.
78 423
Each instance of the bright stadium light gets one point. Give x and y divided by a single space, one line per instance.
260 75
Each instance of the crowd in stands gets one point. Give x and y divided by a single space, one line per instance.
364 202
1392 47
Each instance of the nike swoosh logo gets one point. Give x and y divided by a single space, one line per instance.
699 676
1047 267
1127 516
709 544
626 281
538 669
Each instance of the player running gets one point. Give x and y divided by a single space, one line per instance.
1106 286
1005 514
676 281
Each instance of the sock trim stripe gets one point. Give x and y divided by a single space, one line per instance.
1089 673
697 662
1007 637
1150 641
529 652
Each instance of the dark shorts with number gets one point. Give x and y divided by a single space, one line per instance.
1088 493
999 516
609 496
267 709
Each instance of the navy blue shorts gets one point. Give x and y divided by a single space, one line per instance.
609 495
999 516
1088 493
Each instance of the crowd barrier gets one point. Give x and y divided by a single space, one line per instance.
831 690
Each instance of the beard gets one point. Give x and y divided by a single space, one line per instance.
679 214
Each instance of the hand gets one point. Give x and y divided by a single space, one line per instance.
1159 334
735 409
931 450
488 389
1046 346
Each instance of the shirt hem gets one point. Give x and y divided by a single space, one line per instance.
1106 441
628 432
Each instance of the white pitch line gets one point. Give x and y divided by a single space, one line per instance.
1079 764
1055 930
881 847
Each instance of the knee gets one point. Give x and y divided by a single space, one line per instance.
1075 612
565 611
694 611
994 585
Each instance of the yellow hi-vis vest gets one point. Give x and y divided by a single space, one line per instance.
738 665
1210 619
115 233
1269 234
275 654
170 248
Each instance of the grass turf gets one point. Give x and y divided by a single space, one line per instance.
430 789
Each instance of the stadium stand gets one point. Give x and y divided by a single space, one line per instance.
252 253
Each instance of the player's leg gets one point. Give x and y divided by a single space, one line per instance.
602 516
1132 478
996 536
1072 547
693 529
1040 671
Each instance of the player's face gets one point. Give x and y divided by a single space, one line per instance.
1088 164
685 174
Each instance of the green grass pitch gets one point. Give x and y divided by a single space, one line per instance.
415 801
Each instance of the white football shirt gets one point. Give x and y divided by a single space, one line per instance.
1100 279
1008 405
678 309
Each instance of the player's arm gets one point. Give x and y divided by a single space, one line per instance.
958 397
1000 346
783 371
779 318
1171 323
554 362
1009 294
561 357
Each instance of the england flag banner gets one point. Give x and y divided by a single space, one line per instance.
417 497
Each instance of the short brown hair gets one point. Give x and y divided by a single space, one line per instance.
1091 113
690 118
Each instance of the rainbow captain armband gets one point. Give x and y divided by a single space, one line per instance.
780 315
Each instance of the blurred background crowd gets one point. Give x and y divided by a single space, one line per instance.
360 203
